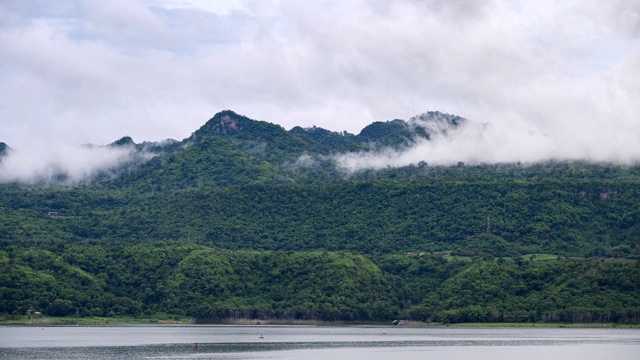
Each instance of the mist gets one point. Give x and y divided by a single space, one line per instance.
65 164
81 71
477 143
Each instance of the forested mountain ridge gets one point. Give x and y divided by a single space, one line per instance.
243 218
571 218
231 149
399 133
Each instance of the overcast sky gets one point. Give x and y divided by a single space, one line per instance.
92 71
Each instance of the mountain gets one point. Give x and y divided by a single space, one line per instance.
328 142
123 142
261 139
231 149
4 149
246 219
399 133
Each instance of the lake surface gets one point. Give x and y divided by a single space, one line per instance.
314 342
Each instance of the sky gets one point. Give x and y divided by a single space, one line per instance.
557 75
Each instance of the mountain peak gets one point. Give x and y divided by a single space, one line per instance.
124 141
225 122
379 129
438 117
4 149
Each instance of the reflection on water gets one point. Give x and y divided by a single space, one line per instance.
311 342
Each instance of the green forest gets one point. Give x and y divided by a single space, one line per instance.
214 284
230 223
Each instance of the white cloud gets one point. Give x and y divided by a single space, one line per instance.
216 7
59 163
124 22
90 71
475 143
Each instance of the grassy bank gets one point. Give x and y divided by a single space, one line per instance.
551 325
43 320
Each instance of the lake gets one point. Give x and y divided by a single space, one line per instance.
314 342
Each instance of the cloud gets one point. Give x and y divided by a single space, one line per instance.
64 164
88 72
475 143
216 7
123 23
303 161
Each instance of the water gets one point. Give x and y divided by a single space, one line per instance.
314 342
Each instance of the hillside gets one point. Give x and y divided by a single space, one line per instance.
243 218
569 218
211 284
231 149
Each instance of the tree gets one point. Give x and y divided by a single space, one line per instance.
60 307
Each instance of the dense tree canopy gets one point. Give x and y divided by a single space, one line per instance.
246 219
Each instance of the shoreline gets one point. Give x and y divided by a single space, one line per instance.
171 320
